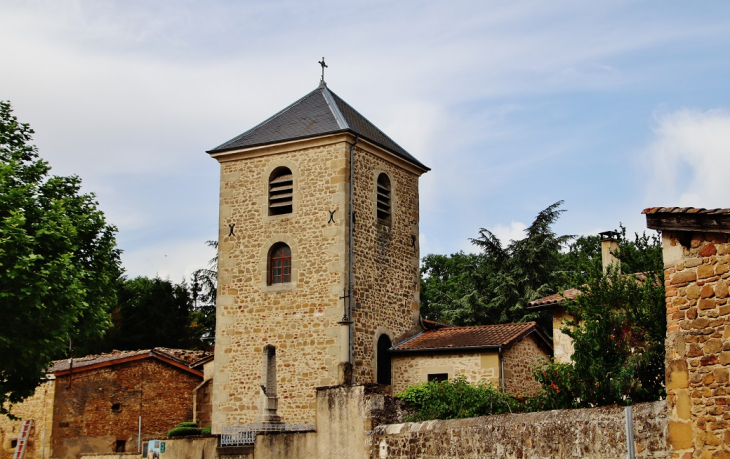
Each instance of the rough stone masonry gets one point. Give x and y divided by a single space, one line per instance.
696 274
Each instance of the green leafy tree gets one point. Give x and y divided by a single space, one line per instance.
452 286
494 286
526 269
618 335
456 398
204 288
58 263
151 313
582 261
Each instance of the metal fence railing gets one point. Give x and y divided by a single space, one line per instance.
245 435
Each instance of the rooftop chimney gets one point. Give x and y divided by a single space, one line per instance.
609 245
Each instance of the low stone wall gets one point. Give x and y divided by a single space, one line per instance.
175 448
190 448
110 456
595 433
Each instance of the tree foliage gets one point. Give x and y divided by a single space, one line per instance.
456 398
618 335
58 262
620 316
495 285
151 313
204 288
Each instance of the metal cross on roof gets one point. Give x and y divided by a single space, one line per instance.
324 66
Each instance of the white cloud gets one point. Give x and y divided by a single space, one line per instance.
505 233
690 159
514 232
173 260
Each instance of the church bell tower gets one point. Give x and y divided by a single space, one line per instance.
318 259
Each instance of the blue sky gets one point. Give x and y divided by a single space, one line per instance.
610 106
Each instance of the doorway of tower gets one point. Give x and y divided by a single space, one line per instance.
384 373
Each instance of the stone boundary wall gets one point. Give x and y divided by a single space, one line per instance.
594 432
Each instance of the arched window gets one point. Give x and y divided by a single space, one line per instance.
281 191
384 375
279 264
383 191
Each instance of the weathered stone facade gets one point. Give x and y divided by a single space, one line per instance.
302 319
698 344
518 363
96 408
39 409
475 366
696 252
597 433
412 369
386 258
562 343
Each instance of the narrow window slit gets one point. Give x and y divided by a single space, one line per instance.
383 199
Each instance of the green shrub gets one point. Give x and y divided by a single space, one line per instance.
183 431
455 399
188 424
205 430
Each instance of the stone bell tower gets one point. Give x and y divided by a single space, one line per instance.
318 207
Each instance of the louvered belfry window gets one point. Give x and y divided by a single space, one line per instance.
281 191
383 190
279 264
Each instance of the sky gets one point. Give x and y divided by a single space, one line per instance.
609 106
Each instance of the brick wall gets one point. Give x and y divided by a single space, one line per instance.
83 418
518 363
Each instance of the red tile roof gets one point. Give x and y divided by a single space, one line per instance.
504 335
685 210
555 298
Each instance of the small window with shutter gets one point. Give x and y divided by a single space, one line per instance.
383 196
281 191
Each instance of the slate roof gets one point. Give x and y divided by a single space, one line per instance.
183 356
475 337
318 113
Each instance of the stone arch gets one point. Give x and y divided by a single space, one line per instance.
381 363
268 172
377 173
263 265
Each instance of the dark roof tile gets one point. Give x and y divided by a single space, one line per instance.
318 113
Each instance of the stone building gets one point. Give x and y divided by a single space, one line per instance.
318 259
318 272
557 303
503 355
696 249
96 403
38 409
